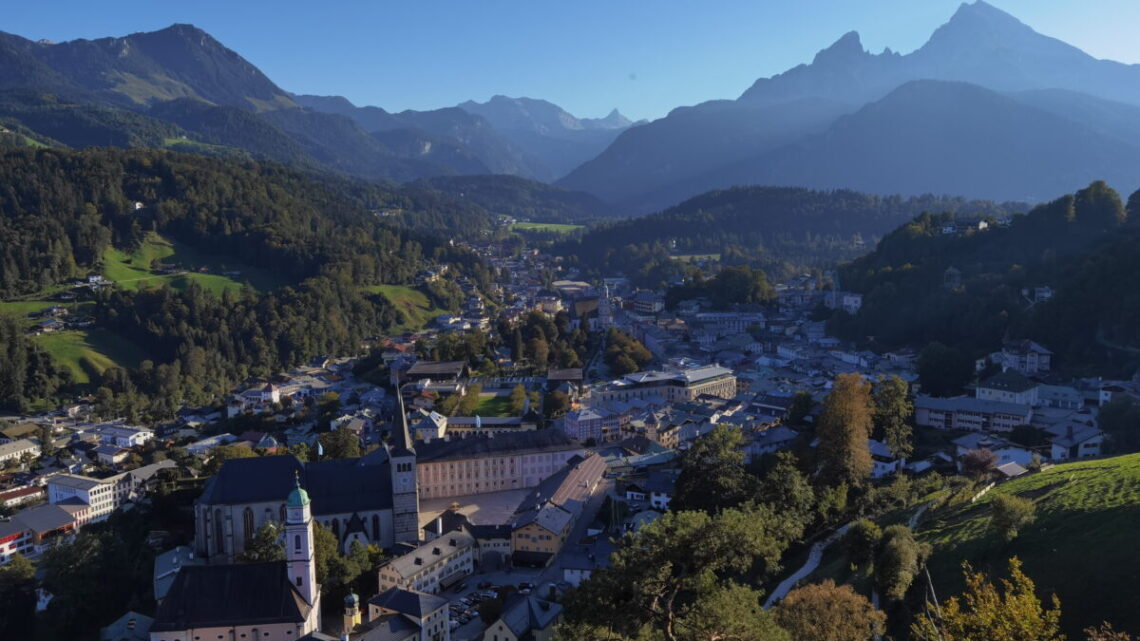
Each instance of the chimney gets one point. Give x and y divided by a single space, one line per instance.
439 525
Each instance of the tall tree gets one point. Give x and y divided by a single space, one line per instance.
829 612
788 490
893 414
1010 611
843 430
712 473
518 400
666 577
899 560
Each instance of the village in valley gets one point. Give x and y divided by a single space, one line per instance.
483 510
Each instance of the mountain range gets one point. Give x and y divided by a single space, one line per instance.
181 88
987 108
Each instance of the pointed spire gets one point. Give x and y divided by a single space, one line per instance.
402 438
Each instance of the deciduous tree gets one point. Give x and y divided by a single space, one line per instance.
829 612
1009 611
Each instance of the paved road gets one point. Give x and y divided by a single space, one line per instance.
814 557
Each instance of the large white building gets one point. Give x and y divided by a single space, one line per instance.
672 385
17 449
433 566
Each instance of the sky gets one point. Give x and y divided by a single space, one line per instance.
642 57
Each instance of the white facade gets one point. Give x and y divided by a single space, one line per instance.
103 496
17 449
433 566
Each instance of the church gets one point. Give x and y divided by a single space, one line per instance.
274 601
372 499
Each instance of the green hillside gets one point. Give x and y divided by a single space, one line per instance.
87 353
417 309
135 269
1082 545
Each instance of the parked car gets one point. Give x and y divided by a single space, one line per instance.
459 587
483 585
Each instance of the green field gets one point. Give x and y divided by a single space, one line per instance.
492 405
132 270
88 352
1082 545
418 310
546 227
22 308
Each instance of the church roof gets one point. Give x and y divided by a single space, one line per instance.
334 487
205 596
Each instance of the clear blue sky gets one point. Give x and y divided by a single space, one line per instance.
590 56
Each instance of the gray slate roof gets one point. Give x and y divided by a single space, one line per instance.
223 595
415 604
335 487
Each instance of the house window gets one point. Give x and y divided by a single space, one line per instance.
297 542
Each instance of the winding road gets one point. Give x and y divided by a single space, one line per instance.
814 557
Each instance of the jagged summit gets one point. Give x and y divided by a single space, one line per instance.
848 46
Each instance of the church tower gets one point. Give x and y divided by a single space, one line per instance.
405 491
300 559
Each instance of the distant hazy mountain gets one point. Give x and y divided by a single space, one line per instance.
438 135
721 143
557 138
940 137
521 198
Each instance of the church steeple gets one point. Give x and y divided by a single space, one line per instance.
405 492
300 557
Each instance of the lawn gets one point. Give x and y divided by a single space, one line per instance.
546 227
418 310
492 405
1082 545
21 308
132 269
88 352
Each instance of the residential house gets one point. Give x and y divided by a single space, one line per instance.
1009 386
1072 441
405 615
1027 357
1005 451
524 618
